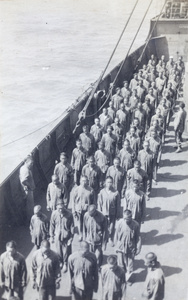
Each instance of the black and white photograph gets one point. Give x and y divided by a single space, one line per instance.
93 150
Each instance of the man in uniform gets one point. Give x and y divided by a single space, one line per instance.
117 99
62 229
155 146
125 91
46 273
78 160
179 125
145 156
65 173
109 206
56 190
134 82
127 156
155 281
135 201
118 131
88 141
97 131
128 243
118 175
95 231
83 272
111 110
122 115
83 196
139 174
13 271
141 91
133 139
93 174
103 160
39 227
109 141
105 119
28 186
113 280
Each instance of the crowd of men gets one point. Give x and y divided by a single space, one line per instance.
101 195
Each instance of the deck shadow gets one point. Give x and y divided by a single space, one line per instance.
156 213
166 193
172 163
151 238
169 271
168 177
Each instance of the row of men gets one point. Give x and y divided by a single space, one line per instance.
83 271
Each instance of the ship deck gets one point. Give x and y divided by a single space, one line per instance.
164 231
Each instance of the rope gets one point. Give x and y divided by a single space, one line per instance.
148 39
123 62
82 114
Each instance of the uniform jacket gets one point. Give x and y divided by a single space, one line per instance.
95 228
141 176
88 142
78 159
105 121
127 157
54 192
179 122
65 174
109 142
62 226
13 271
97 132
127 237
94 176
103 159
146 160
26 178
82 198
119 179
109 202
39 229
83 270
136 203
45 269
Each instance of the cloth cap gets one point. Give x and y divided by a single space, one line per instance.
112 260
37 208
151 256
60 202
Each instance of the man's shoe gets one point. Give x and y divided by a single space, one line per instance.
64 270
111 243
178 150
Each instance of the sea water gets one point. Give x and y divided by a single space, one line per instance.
50 52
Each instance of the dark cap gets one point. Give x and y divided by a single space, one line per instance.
150 257
112 260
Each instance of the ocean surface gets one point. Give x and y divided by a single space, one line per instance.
50 52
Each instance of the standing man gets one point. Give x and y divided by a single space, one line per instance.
113 280
105 119
83 273
78 160
109 205
65 172
127 156
139 174
118 131
28 186
83 196
45 272
95 232
145 156
122 115
93 174
118 175
62 229
103 160
97 131
56 190
39 227
135 201
128 243
133 139
88 141
117 99
155 281
179 125
109 141
13 271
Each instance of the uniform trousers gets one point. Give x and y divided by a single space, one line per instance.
111 219
17 292
78 294
125 261
47 293
63 250
78 221
97 249
28 205
178 137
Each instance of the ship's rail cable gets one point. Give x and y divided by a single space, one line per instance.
95 85
82 114
150 35
122 64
